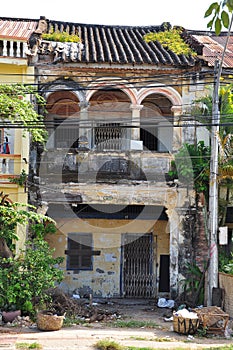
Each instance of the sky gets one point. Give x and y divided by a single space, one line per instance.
186 13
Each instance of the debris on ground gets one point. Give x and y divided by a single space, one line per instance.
168 303
213 319
80 308
20 321
63 304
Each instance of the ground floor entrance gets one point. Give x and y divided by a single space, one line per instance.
138 273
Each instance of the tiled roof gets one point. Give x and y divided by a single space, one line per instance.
210 47
16 29
121 45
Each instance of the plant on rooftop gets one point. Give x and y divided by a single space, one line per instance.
61 36
172 40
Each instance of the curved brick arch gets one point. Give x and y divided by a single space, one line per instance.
58 86
119 84
168 92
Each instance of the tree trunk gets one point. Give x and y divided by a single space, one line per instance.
5 251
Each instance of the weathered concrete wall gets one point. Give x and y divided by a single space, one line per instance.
175 199
104 279
89 166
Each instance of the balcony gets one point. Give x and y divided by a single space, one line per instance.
9 166
64 166
14 49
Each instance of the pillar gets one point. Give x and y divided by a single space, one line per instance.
177 130
135 133
85 128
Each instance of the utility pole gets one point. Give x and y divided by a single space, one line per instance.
212 279
213 190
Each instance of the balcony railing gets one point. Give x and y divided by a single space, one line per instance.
9 166
9 48
91 166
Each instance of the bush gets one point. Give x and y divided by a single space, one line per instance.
25 280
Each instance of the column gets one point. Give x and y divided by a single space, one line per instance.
177 130
135 131
174 223
85 130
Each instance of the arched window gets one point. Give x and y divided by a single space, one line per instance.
63 119
156 126
111 116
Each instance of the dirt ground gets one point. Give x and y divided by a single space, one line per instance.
148 311
84 337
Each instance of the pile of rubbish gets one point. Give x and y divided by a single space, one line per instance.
210 319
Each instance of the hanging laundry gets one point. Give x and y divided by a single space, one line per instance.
6 147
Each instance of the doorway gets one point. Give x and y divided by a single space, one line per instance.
137 273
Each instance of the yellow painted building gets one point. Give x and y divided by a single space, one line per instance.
14 68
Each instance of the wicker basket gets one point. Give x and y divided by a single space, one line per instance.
185 325
47 321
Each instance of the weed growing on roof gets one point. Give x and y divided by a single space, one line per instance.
63 37
171 39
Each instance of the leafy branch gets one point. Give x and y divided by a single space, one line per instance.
20 180
17 109
220 13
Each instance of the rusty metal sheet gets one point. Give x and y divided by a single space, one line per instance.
17 30
213 47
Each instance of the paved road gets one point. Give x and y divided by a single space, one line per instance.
85 338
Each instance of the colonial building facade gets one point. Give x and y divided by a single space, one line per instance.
118 109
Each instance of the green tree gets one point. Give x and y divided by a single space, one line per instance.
225 143
191 165
18 110
225 175
24 279
12 214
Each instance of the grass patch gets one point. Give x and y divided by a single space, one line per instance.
27 346
164 339
136 348
106 344
71 321
134 324
224 347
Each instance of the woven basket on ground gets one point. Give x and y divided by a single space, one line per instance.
185 325
47 321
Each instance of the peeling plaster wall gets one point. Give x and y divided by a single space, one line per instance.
105 276
104 279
